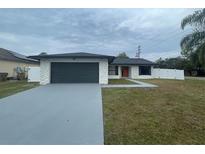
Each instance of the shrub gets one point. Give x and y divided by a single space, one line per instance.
21 73
3 76
21 76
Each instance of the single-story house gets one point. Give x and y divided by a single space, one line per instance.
10 61
90 68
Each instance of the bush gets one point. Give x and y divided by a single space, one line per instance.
21 73
21 76
3 76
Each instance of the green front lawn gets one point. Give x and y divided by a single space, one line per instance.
120 81
11 87
173 113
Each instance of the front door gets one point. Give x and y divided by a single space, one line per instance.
125 71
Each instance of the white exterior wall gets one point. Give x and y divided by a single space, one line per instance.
44 72
45 68
155 73
147 76
103 71
135 73
116 76
33 74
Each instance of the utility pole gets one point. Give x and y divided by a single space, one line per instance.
138 51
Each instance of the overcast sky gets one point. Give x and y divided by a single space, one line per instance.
103 31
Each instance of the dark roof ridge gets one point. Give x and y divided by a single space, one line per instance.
132 61
73 55
70 53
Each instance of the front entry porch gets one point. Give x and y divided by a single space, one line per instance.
130 72
125 71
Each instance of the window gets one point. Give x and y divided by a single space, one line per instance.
144 70
113 70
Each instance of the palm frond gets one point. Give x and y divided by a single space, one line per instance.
197 18
201 54
194 58
191 41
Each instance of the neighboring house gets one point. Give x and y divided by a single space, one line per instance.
10 61
90 68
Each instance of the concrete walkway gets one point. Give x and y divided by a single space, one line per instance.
53 114
139 84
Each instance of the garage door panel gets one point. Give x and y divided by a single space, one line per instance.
74 72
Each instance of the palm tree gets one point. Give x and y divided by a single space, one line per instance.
193 45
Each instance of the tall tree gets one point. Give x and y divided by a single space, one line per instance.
122 55
193 45
174 63
43 53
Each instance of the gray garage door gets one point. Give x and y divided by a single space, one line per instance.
74 72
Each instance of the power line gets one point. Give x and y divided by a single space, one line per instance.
153 38
170 32
176 32
162 42
165 40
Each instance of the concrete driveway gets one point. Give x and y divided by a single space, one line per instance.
53 114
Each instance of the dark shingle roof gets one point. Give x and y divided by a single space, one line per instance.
13 56
114 60
131 61
72 55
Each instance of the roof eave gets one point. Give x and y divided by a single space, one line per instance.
50 57
21 60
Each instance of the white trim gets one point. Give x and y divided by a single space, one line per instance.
116 76
45 65
133 73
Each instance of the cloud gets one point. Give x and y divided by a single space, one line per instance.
165 54
8 37
105 31
30 45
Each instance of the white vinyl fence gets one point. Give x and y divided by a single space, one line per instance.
168 73
33 74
